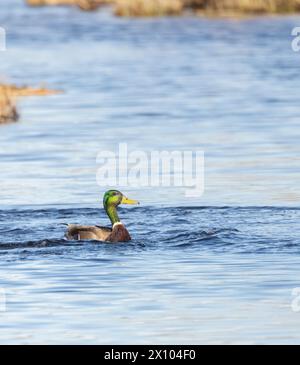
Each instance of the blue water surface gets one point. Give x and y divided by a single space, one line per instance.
217 268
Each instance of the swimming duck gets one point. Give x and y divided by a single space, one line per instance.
118 233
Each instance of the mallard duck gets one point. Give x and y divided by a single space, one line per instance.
118 232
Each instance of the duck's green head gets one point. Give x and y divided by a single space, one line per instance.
113 198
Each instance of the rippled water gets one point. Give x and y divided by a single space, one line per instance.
216 269
190 275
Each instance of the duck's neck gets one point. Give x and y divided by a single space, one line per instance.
112 213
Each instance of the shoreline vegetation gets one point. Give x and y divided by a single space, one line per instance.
9 95
144 8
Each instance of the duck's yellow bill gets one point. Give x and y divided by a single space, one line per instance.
129 201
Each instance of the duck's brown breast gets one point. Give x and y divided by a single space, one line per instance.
119 234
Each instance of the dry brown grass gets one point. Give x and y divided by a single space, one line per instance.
216 7
122 7
88 5
137 8
148 7
17 91
49 2
251 6
8 98
8 111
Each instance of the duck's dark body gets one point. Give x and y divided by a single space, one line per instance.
118 233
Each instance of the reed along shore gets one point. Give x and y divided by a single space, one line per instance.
9 94
143 8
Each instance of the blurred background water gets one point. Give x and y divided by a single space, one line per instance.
215 269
